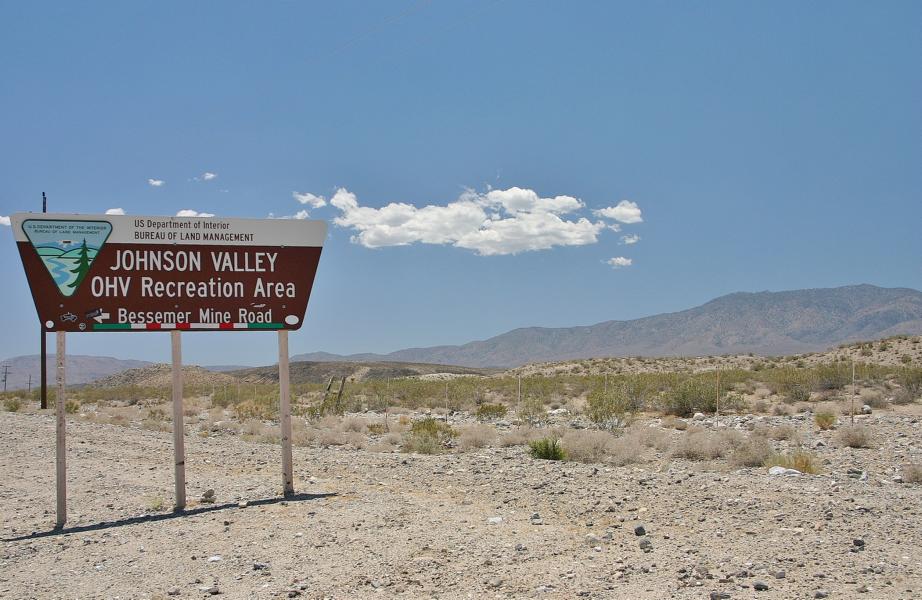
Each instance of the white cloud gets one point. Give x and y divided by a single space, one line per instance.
300 215
625 212
632 238
4 220
492 223
115 211
208 176
155 182
188 212
310 199
619 262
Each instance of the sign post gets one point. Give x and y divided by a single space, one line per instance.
102 273
60 447
285 415
179 450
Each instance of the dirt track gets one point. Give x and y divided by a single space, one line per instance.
399 525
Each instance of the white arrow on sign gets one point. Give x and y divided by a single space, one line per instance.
101 317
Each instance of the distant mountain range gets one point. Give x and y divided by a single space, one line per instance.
767 323
80 369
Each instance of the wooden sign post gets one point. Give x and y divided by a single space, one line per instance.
92 273
179 448
285 415
60 441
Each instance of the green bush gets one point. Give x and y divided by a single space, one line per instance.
691 395
609 410
11 404
547 449
71 407
487 412
433 428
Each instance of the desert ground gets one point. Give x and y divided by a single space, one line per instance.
648 501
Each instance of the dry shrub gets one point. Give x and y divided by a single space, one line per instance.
799 460
629 448
873 398
587 445
392 438
382 447
356 424
302 435
762 393
780 410
329 422
760 406
354 439
778 433
376 428
518 437
645 436
476 436
855 437
673 422
912 473
331 437
752 452
701 445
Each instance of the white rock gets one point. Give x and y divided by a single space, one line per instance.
779 470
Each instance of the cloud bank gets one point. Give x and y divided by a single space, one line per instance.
155 182
495 222
4 220
115 211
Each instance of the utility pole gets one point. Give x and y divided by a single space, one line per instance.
6 370
30 384
44 350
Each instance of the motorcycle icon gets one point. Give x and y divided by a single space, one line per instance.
68 317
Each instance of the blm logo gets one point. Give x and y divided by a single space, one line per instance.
67 248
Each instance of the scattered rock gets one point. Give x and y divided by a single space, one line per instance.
760 586
640 530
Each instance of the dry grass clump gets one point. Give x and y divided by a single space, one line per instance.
855 437
12 404
752 452
587 445
799 460
476 436
824 420
912 473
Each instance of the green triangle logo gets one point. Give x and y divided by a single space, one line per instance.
67 248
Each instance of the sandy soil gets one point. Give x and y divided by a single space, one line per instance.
490 523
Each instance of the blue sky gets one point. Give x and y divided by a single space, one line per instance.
768 146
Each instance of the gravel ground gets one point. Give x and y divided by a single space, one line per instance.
491 523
